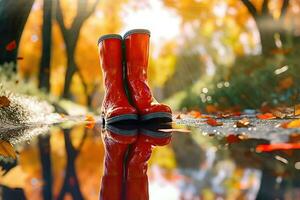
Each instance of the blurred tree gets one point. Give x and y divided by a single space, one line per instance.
268 25
70 36
13 16
44 74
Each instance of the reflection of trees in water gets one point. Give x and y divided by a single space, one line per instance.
70 183
12 193
45 150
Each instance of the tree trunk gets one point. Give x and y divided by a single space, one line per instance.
44 75
13 16
71 69
268 28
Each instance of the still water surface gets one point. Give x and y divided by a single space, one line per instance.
184 161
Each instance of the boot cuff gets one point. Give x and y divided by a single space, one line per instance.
109 36
133 31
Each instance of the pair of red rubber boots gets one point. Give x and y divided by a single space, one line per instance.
124 64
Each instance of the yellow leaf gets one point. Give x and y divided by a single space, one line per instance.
294 124
7 150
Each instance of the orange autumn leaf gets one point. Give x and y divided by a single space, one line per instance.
232 139
7 150
4 102
284 125
278 146
11 46
195 114
266 116
294 124
286 83
213 122
90 121
278 114
178 116
243 123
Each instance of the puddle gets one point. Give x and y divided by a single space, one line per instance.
188 161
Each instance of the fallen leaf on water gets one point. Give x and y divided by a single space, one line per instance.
179 116
232 139
11 46
223 115
283 125
4 102
7 150
243 123
213 122
278 114
278 146
266 116
294 124
90 121
195 114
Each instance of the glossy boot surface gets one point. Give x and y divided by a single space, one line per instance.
115 106
137 53
137 166
116 147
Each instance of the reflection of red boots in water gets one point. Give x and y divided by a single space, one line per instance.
126 164
136 171
116 147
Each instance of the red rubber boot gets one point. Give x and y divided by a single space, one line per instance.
137 166
137 52
115 106
116 147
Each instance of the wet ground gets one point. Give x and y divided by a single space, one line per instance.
185 160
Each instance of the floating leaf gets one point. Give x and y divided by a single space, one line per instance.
90 121
4 102
178 116
195 114
232 138
294 124
213 122
278 146
243 123
279 114
266 116
7 150
11 46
